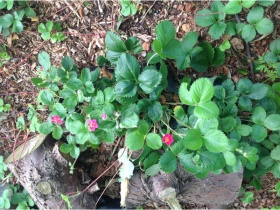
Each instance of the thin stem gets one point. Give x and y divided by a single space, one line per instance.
173 131
181 122
151 58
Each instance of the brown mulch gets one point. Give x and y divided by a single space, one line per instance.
85 25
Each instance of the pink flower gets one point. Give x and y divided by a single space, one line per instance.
168 139
92 124
104 116
56 120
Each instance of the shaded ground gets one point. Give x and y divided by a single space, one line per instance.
85 25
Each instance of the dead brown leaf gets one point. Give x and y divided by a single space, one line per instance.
186 27
146 46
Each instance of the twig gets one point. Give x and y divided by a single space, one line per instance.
247 46
22 61
73 10
106 187
147 11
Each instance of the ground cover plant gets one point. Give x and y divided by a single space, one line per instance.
216 126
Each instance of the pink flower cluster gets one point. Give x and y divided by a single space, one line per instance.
56 120
92 124
167 139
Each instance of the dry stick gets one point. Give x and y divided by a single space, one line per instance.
63 8
104 172
73 10
248 53
106 187
22 61
148 11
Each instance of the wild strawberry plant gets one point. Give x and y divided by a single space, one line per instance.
216 19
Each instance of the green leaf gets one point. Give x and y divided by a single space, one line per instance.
6 20
264 26
46 128
266 3
172 49
206 110
272 122
129 118
276 170
75 152
67 63
255 15
212 161
134 140
267 161
248 32
74 84
193 140
143 127
155 111
219 92
217 30
185 95
275 153
227 124
219 57
215 141
204 18
127 68
202 90
153 170
245 103
165 32
46 97
76 127
230 29
29 12
60 109
85 75
248 3
44 60
275 46
180 114
114 42
189 41
206 125
154 141
232 7
17 26
202 60
244 130
218 8
249 197
133 45
148 80
57 132
259 115
225 45
259 132
49 25
275 138
152 159
187 161
229 158
125 88
66 148
168 162
258 91
256 182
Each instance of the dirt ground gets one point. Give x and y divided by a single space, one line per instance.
85 24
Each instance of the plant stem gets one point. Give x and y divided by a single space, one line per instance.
151 58
168 195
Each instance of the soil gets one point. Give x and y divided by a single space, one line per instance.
85 24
